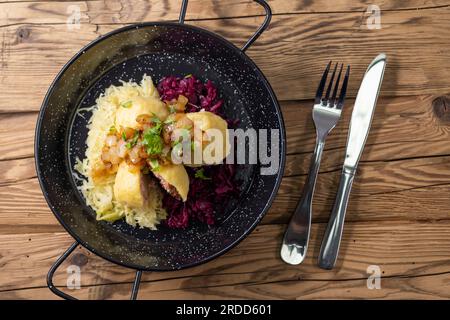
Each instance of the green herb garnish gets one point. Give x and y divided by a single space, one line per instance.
152 140
126 105
200 174
112 130
130 144
155 118
156 130
133 141
154 164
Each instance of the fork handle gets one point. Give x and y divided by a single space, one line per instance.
332 239
296 238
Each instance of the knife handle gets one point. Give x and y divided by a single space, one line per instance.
332 239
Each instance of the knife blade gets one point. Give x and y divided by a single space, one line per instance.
363 111
360 122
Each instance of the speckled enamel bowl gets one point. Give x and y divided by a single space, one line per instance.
157 49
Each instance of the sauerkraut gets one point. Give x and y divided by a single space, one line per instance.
99 193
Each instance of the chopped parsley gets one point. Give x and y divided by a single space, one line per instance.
124 136
126 105
152 140
156 129
154 164
133 142
155 119
112 130
200 174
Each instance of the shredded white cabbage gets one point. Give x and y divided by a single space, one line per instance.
100 196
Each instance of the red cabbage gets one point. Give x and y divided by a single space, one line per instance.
200 96
205 196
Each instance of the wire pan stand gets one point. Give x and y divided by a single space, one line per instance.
137 279
63 257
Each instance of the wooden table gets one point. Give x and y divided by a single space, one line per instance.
398 217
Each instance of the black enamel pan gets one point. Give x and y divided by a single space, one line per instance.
157 49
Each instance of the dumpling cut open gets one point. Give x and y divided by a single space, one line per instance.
174 179
131 187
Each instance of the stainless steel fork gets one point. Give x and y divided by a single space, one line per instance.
326 113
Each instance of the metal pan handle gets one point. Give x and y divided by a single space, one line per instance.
255 36
63 257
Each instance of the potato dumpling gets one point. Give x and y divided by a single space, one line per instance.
131 187
205 120
174 179
128 111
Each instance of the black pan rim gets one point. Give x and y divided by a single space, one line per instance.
268 87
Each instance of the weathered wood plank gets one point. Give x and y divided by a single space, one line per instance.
427 287
17 135
428 203
131 11
402 127
380 176
402 183
25 259
30 52
407 190
16 170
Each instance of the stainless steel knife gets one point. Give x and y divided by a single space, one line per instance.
362 114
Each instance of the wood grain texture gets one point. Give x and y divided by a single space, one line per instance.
390 172
394 246
427 287
298 42
403 127
423 287
17 135
398 212
132 11
400 190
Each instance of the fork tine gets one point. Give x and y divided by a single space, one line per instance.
330 85
336 86
322 84
343 89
